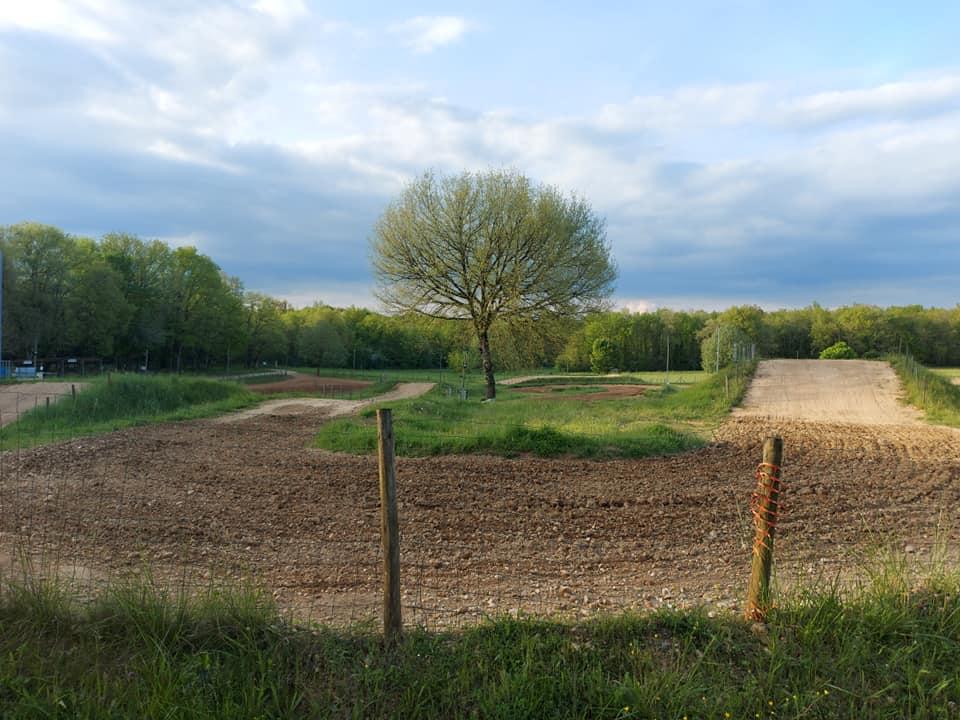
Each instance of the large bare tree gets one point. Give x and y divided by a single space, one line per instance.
490 246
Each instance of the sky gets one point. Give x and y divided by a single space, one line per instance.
741 152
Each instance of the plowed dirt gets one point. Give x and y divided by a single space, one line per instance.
479 534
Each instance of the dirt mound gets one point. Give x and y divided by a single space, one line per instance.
587 392
846 391
301 382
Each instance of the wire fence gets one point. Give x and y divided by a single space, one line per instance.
206 503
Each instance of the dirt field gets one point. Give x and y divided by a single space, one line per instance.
587 392
301 382
485 534
854 391
18 398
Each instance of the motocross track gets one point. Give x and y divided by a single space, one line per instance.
247 498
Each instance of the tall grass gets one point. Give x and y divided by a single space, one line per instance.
931 392
889 649
122 401
665 420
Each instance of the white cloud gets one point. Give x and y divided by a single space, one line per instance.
173 151
76 20
888 99
424 34
282 11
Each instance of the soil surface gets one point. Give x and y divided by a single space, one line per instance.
587 392
855 391
205 500
301 382
16 399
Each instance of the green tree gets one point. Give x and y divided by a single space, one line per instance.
41 260
490 246
602 355
321 345
97 311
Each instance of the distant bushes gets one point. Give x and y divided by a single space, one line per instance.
838 351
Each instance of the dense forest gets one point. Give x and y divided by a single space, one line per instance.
134 303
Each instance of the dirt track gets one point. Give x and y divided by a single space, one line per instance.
852 391
18 398
480 534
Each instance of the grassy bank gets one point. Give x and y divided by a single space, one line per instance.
930 391
889 650
663 421
686 377
122 401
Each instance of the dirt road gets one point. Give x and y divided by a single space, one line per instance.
20 397
850 391
481 534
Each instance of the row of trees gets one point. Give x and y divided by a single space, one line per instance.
699 339
134 301
140 302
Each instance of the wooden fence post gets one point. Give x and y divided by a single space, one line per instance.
389 527
766 508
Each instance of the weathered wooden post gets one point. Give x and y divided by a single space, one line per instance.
766 508
389 527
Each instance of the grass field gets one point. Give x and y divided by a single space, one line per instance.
889 649
665 420
947 372
931 391
123 401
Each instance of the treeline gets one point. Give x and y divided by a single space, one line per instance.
135 302
640 341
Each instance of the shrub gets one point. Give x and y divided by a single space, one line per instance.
838 351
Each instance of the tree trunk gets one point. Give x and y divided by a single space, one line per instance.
491 390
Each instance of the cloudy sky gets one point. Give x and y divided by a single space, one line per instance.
764 152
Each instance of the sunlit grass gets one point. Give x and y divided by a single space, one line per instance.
662 421
120 401
932 392
889 648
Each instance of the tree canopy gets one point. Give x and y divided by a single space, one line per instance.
490 247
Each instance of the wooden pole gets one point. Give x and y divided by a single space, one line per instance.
389 527
766 510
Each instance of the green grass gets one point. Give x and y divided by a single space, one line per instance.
121 401
890 649
930 391
947 372
663 421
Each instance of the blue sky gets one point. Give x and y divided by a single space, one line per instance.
759 152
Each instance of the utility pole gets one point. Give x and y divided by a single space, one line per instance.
718 349
668 361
